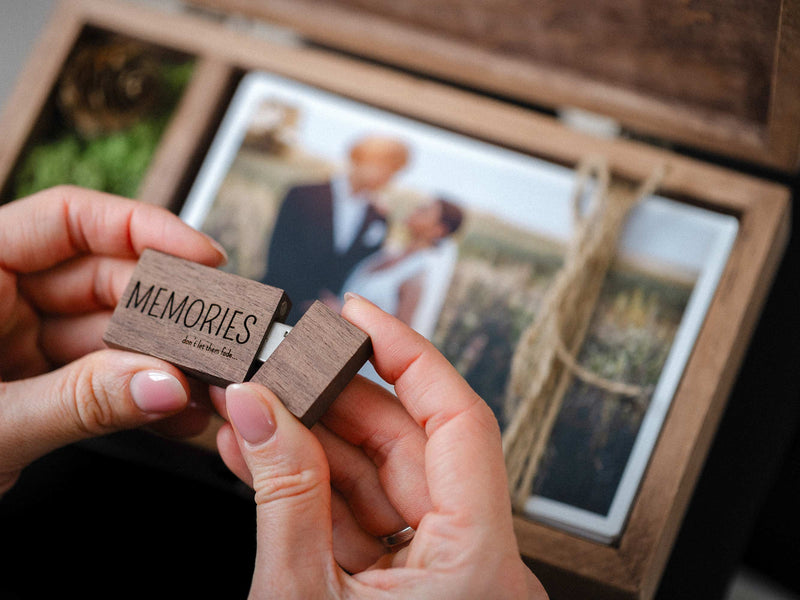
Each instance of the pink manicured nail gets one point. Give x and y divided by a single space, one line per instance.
250 415
351 296
158 392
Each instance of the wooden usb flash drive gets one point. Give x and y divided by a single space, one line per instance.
222 328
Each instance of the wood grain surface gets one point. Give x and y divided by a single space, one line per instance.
715 75
315 362
206 322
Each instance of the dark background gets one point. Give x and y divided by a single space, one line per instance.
746 507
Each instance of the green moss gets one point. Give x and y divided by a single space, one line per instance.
114 163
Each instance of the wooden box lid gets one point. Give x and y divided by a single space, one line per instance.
716 76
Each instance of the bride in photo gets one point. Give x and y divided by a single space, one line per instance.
396 280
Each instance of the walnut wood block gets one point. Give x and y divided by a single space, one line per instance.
315 362
206 322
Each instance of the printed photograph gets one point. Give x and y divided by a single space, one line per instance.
321 195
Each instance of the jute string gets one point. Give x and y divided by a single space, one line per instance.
544 361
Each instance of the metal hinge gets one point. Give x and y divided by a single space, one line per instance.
590 123
234 21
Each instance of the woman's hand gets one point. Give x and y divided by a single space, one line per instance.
430 458
66 255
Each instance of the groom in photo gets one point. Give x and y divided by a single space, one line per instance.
323 230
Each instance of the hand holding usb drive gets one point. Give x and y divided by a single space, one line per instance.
222 328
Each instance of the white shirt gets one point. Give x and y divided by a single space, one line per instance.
349 211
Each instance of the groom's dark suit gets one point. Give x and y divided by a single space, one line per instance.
302 257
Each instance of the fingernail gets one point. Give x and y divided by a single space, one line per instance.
158 392
251 417
350 296
219 248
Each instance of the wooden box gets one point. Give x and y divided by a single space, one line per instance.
720 79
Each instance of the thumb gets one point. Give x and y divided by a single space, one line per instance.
97 394
291 480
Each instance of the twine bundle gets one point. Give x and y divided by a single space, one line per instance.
544 360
